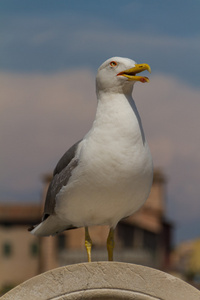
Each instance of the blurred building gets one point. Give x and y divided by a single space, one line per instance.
143 238
18 248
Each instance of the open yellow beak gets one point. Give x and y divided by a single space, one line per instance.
131 73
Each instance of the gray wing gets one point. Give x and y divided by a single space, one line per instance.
66 158
61 176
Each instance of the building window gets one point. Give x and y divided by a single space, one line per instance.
7 249
61 241
150 241
126 234
34 249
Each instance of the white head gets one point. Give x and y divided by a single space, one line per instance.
118 74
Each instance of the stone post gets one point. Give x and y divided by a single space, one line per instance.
103 280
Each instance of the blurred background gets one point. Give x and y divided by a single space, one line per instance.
50 51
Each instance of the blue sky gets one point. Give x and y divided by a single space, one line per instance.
47 36
50 51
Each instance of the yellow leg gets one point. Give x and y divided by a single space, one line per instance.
88 243
110 244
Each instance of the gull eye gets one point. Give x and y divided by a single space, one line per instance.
113 64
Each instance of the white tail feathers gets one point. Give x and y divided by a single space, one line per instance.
50 226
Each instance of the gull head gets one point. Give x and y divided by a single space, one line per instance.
118 74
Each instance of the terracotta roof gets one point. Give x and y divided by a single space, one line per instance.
19 213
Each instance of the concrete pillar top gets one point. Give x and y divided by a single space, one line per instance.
103 280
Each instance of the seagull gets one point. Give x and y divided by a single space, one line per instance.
106 176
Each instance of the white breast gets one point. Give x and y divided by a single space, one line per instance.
114 174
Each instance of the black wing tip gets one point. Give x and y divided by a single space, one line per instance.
45 216
31 228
